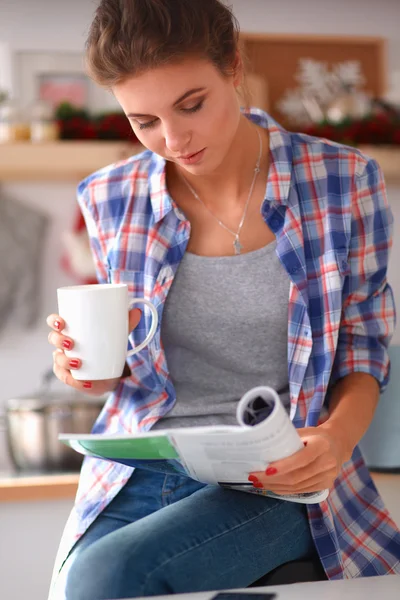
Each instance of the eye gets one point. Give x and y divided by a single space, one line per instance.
189 110
195 108
147 125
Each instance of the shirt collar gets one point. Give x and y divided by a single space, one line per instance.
281 157
160 199
280 169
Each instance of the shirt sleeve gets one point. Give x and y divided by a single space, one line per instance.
368 314
87 204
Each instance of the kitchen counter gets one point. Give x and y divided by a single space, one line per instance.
345 589
16 487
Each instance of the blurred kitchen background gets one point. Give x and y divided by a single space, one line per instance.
328 68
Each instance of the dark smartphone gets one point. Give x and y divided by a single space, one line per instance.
242 596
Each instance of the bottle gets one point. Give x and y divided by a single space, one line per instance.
43 125
13 126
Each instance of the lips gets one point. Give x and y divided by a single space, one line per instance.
191 159
188 156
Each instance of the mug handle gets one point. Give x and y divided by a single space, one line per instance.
153 328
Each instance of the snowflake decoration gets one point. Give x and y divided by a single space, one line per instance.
349 73
315 80
318 88
291 105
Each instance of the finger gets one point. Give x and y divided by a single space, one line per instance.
315 448
55 322
320 465
317 486
97 388
87 387
321 480
65 377
60 341
66 362
134 318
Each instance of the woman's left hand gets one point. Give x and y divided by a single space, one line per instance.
311 469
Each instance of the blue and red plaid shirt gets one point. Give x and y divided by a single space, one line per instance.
326 204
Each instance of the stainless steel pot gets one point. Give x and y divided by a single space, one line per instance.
34 422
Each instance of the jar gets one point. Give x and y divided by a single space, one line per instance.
43 125
351 103
13 125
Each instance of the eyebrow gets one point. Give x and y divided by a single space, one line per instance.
181 99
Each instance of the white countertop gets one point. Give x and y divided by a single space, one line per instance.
371 588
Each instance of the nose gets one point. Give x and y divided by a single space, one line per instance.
177 138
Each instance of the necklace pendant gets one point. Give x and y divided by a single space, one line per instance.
237 245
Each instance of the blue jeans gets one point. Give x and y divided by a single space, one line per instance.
167 534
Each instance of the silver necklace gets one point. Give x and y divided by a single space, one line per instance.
236 244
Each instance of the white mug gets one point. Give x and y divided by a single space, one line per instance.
96 318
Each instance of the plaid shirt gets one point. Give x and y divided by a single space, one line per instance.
326 204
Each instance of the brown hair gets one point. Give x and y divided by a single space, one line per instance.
128 37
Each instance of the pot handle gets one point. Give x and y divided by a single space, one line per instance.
48 378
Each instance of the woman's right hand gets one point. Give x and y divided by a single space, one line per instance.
62 364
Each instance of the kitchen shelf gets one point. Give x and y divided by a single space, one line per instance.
73 160
68 161
27 488
388 157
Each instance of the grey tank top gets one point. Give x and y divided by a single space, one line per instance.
224 331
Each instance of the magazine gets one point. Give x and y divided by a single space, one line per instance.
220 455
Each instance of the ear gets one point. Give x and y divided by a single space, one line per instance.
237 69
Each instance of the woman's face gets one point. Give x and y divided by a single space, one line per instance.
188 112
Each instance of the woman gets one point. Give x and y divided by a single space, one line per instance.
266 254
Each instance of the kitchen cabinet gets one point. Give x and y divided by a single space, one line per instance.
71 161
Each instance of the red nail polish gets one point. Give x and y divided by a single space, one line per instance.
87 385
74 364
305 443
253 479
258 484
66 344
271 471
57 324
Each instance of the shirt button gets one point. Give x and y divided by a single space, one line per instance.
166 274
318 526
274 224
155 353
180 214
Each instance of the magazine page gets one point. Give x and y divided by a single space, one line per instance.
226 458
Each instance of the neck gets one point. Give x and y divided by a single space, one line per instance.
234 175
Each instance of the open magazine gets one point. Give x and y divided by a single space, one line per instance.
221 455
